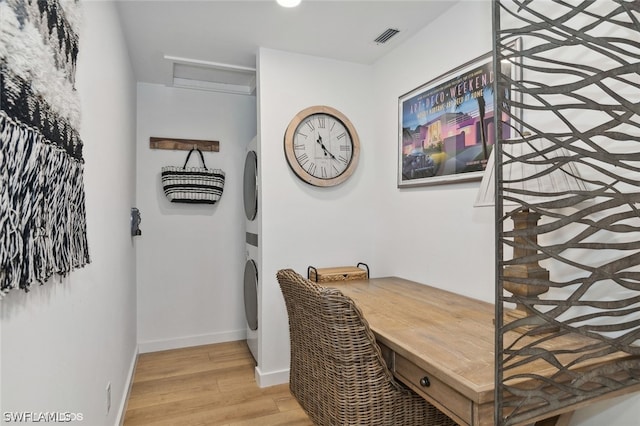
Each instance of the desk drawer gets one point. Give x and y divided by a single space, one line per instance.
451 402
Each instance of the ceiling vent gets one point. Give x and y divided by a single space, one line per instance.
385 36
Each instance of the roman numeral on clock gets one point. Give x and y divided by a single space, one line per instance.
312 168
302 158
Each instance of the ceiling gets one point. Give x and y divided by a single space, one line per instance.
212 45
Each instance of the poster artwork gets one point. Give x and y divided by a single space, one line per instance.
447 128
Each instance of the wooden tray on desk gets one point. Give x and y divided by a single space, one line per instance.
337 273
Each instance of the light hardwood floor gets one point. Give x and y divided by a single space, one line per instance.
207 385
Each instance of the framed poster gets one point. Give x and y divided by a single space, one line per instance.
446 127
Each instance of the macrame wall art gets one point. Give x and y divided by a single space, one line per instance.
42 200
568 260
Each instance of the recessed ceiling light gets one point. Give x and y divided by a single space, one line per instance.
288 3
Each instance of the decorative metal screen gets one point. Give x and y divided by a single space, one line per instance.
567 204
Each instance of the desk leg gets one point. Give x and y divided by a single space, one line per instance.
561 420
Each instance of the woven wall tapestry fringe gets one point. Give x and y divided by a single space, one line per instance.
42 199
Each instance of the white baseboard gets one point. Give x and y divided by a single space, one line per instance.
272 378
185 342
128 384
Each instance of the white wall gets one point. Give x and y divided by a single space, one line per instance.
432 234
304 225
191 256
62 342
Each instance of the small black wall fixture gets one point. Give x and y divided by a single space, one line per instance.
135 222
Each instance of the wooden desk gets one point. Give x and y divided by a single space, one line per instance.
443 336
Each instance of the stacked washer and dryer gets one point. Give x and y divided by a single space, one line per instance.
251 231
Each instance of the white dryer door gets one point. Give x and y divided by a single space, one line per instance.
251 294
251 185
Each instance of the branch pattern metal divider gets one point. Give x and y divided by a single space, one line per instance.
576 109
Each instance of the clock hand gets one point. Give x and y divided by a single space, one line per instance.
326 151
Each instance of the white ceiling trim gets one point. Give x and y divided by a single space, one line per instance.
209 64
212 76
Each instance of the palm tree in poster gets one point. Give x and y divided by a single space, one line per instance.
483 131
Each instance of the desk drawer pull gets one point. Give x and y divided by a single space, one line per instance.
424 382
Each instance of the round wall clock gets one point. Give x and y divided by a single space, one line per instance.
322 146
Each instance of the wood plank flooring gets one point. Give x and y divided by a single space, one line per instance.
207 385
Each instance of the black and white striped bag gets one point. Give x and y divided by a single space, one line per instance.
192 184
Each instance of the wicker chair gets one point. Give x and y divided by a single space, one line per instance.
338 374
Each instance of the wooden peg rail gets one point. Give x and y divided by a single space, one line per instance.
183 144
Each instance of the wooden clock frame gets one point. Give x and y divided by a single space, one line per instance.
290 153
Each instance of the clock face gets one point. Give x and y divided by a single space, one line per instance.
321 146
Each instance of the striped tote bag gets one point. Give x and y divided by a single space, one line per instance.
197 185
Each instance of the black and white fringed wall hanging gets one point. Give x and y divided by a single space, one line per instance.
42 201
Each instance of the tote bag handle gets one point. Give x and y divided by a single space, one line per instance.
189 155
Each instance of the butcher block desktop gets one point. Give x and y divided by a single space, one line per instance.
440 344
